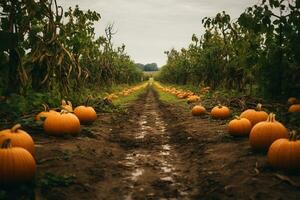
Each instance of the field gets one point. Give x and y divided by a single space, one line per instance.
154 148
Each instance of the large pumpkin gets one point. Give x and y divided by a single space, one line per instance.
239 127
86 114
45 113
285 153
220 112
294 108
198 110
263 134
19 138
255 116
16 164
64 123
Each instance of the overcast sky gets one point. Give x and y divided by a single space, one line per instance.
150 27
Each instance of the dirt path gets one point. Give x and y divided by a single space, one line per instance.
154 150
151 166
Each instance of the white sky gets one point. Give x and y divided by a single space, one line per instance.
150 27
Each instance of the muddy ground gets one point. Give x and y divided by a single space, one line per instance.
154 150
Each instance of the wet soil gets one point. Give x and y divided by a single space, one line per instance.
156 150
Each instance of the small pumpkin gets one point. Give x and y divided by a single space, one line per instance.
292 100
66 105
239 126
45 113
285 153
294 108
86 114
193 98
263 134
63 123
220 112
198 110
17 165
19 138
256 115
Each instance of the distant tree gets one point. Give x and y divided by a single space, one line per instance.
148 67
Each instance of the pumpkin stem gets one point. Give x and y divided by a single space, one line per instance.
15 128
258 107
273 117
70 104
219 105
6 144
237 117
46 107
293 136
63 102
64 111
270 117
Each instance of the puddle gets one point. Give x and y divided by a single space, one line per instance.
135 174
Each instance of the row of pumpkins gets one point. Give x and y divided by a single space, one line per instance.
125 92
17 150
265 133
182 94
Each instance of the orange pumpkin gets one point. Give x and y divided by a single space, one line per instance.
16 164
239 126
198 110
86 114
193 98
263 134
19 138
64 123
294 108
285 153
292 100
255 116
66 105
45 113
220 112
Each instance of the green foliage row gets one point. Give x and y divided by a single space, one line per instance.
257 53
46 49
47 53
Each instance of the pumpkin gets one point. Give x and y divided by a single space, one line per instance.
292 100
16 164
294 108
66 105
239 126
285 153
263 134
45 113
255 116
19 138
63 123
193 98
85 114
198 110
220 112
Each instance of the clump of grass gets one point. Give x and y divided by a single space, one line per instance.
50 180
125 100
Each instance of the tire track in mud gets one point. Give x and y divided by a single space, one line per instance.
151 166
